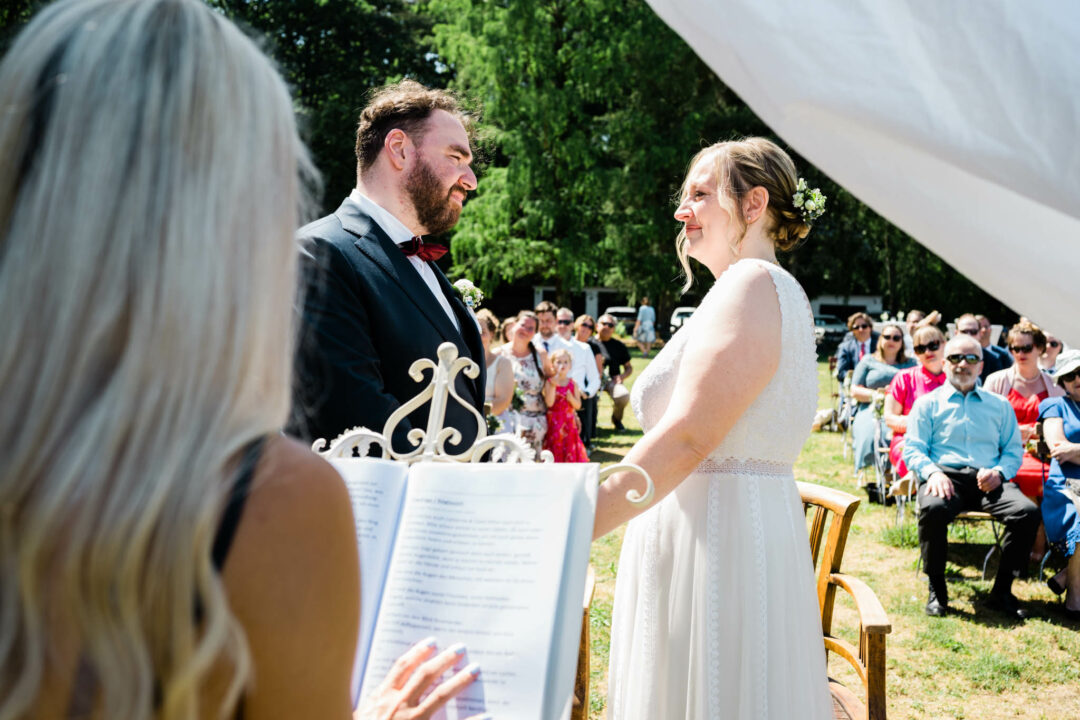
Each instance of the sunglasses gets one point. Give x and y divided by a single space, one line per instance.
861 327
1022 348
607 324
932 346
1053 343
972 333
894 338
587 325
566 322
1070 377
969 358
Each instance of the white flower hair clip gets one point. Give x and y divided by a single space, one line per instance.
810 203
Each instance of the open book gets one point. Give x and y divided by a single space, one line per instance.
491 555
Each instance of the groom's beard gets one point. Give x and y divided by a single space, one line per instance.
434 209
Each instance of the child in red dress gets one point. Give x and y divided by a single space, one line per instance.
563 398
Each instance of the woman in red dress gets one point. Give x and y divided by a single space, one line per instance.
563 399
909 385
1024 385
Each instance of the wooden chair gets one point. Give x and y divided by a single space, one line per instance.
580 711
829 513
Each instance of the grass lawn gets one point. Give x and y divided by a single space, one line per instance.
971 664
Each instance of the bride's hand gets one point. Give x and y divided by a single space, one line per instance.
401 694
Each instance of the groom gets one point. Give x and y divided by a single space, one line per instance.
374 300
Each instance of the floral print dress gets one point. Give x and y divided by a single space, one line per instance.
530 419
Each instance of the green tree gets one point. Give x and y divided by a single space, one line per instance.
333 53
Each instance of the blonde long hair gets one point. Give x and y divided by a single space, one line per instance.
150 181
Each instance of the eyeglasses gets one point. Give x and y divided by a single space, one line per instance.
972 333
932 346
969 358
894 338
566 322
864 326
607 324
1022 348
1070 377
1053 343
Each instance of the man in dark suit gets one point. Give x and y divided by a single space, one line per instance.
859 342
374 299
994 358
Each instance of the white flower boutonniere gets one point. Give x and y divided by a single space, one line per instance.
471 295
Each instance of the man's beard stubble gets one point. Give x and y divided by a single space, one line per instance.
434 210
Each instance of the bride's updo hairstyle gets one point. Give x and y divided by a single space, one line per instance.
741 165
149 191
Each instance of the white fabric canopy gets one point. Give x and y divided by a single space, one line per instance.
958 121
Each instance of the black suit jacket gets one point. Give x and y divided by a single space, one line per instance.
367 315
847 355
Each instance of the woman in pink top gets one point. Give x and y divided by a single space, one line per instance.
911 384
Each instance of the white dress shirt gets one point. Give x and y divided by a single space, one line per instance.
552 343
398 234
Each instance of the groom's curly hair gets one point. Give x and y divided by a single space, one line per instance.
404 106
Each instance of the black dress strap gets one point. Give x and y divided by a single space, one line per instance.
234 506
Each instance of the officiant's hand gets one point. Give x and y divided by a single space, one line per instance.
413 674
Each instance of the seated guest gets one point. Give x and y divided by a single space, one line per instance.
912 319
617 366
1024 385
1049 356
995 357
166 551
1061 429
857 344
909 385
963 445
875 371
499 390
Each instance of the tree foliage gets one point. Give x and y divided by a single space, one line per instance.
591 111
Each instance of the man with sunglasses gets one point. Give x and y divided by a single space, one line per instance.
994 357
963 444
857 344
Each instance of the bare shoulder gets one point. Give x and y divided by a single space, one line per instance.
743 306
292 578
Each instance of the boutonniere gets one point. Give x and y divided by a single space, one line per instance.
471 295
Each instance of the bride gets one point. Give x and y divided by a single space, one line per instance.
715 610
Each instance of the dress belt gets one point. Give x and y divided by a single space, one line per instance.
744 466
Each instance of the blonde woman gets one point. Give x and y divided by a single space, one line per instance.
715 613
165 553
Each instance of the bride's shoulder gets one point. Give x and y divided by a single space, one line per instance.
746 280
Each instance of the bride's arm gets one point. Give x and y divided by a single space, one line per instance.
725 366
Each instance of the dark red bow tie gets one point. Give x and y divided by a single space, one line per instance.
423 250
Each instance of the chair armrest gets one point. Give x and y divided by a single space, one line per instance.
872 616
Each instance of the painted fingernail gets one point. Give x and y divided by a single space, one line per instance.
458 649
430 642
473 669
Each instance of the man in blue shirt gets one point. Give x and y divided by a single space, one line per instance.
964 446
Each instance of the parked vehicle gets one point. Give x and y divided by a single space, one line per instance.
679 316
829 328
625 317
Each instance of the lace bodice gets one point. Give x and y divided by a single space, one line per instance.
775 427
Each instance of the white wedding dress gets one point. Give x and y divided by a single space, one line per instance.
716 613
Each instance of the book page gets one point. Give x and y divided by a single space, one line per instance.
479 559
376 489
